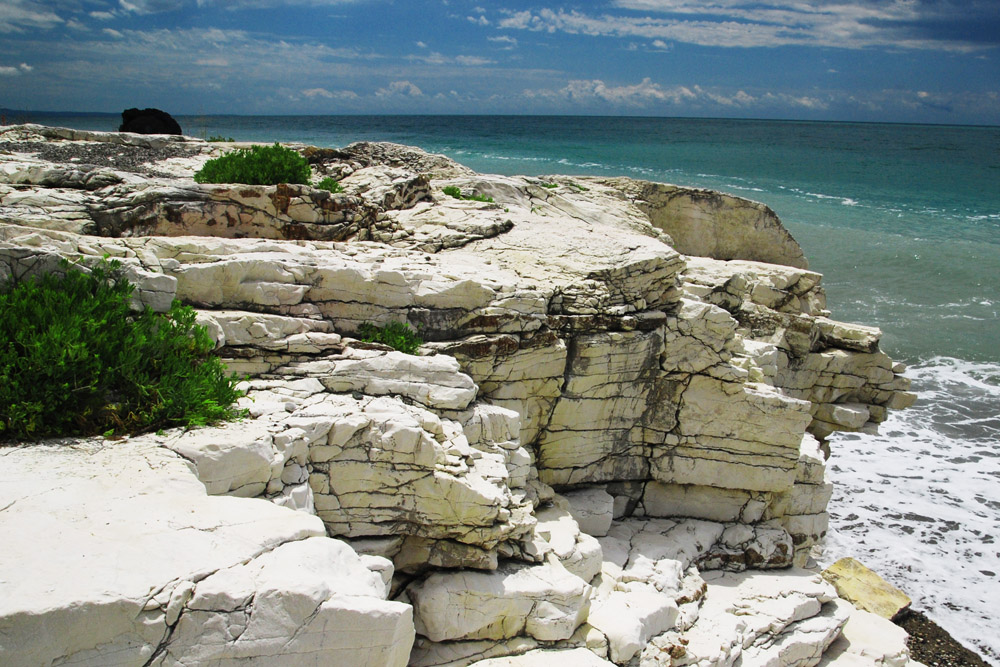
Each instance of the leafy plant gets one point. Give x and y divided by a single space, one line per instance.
257 165
329 184
454 191
579 187
550 185
77 360
397 335
219 138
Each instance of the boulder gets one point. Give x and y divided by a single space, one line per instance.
866 590
148 121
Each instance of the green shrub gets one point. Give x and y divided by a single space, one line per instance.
257 165
77 360
550 185
454 191
219 138
397 335
329 184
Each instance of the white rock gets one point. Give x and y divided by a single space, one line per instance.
542 601
593 509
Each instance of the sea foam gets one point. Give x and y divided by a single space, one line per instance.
919 503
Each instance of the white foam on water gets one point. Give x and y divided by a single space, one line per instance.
920 503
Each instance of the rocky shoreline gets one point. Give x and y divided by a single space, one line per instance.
610 451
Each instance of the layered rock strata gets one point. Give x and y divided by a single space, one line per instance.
596 424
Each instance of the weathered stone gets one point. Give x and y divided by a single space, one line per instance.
543 601
173 547
593 509
865 589
868 639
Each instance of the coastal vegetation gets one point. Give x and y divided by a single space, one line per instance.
330 185
76 359
256 165
454 191
218 138
397 335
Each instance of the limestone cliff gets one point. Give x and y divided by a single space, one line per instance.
601 445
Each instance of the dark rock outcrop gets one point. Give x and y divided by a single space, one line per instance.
148 121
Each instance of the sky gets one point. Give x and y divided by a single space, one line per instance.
932 61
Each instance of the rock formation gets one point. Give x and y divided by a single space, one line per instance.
607 452
148 121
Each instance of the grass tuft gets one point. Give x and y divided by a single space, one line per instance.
397 335
330 185
454 191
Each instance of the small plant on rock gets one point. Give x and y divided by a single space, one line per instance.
454 191
77 360
219 138
331 185
397 335
257 165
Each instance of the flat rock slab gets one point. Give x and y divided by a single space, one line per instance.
106 543
865 589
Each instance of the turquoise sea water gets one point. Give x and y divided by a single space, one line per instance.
904 223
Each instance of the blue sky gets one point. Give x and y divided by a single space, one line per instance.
891 60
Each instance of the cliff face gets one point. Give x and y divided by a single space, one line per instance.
595 423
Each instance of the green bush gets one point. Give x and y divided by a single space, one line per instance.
219 138
329 184
77 360
397 335
454 191
257 165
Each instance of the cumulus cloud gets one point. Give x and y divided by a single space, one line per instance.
399 89
636 95
511 42
329 94
650 95
853 24
8 70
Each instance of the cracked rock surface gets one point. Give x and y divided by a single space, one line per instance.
609 450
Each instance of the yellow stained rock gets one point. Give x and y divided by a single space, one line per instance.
865 589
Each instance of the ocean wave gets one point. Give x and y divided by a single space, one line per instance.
917 502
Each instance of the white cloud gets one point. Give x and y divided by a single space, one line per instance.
329 94
7 70
111 32
648 94
472 61
435 58
636 95
422 45
504 39
746 23
478 20
399 89
102 16
21 15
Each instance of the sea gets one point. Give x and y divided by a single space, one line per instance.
902 220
